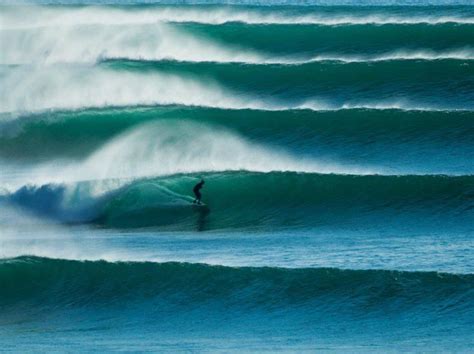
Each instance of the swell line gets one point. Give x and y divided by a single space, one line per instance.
34 17
26 89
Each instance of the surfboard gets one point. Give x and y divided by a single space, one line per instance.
202 208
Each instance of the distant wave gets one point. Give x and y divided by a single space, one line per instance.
91 44
79 131
76 135
256 59
31 89
43 16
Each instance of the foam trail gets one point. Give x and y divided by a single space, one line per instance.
33 17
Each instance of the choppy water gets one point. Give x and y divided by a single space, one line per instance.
337 148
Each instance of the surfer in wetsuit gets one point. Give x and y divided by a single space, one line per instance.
197 192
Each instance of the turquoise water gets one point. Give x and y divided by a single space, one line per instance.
336 144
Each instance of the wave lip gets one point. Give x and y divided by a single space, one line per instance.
401 54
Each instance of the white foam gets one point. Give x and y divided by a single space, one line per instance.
386 104
466 53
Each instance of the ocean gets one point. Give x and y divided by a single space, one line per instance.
336 145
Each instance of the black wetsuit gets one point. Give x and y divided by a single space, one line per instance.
197 192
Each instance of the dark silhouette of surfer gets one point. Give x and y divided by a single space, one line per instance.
197 192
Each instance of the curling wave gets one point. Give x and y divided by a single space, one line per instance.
245 200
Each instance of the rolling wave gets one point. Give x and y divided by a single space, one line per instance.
33 17
232 43
463 54
55 284
231 302
402 142
94 43
80 132
312 41
335 85
173 147
32 89
246 200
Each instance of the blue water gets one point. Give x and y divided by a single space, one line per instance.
336 143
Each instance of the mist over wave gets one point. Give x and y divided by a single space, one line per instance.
168 148
63 87
408 142
93 43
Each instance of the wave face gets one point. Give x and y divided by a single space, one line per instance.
331 86
248 201
336 146
187 285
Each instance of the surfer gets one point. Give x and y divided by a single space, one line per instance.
197 192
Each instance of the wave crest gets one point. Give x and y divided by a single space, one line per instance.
33 17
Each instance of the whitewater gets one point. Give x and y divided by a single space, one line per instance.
336 143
